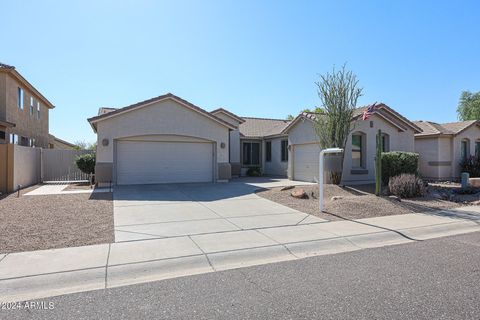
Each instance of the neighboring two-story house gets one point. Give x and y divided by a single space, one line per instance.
23 111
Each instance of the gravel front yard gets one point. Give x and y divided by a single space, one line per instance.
55 221
353 203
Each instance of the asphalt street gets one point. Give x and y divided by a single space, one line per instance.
434 279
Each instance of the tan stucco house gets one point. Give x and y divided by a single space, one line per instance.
24 112
168 140
442 146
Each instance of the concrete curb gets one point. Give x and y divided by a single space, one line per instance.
69 281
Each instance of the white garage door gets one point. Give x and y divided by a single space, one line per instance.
305 162
142 162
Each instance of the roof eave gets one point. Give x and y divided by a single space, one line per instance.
170 96
25 82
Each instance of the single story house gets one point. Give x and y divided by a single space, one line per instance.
358 165
167 139
443 146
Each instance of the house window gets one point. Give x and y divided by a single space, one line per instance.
268 151
31 106
38 110
251 153
464 149
477 149
2 135
20 98
13 138
284 150
357 151
24 141
385 142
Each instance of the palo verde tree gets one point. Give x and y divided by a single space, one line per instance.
469 106
338 92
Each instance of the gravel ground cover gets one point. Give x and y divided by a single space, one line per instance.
353 203
54 221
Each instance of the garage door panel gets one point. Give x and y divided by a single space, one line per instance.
305 162
163 162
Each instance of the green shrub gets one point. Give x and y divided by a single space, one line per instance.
397 162
86 163
471 165
407 186
254 172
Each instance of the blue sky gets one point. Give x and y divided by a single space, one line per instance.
255 58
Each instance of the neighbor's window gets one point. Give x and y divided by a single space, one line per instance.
464 153
20 98
251 153
31 106
13 138
385 142
477 148
284 150
2 135
357 150
268 151
38 110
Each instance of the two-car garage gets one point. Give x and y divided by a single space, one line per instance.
161 140
150 162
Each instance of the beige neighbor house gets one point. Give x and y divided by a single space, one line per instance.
443 146
23 111
169 140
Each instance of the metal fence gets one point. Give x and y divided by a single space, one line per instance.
59 165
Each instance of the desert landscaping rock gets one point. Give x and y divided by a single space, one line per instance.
336 198
355 202
287 188
299 194
395 198
55 221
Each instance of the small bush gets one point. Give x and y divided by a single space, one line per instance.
471 165
86 163
407 186
254 172
396 162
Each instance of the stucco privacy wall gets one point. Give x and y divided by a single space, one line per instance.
276 166
304 132
26 166
166 117
18 166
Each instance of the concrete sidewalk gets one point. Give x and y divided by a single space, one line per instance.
39 274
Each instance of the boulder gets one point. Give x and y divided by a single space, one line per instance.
299 194
336 198
287 188
395 198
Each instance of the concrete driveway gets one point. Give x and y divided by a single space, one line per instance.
161 211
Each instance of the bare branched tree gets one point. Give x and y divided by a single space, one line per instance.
339 92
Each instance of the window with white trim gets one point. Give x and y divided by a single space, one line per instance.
20 98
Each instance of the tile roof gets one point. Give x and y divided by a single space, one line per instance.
6 66
389 114
153 100
231 114
450 128
261 127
